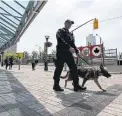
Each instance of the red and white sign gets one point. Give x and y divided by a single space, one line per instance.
92 51
96 50
86 51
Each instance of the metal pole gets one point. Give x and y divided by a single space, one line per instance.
103 53
102 48
119 58
116 56
46 52
39 51
89 57
82 25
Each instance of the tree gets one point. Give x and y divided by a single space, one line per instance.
9 54
35 54
40 54
26 55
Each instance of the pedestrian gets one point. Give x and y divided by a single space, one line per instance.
65 40
19 63
10 62
33 63
36 62
6 62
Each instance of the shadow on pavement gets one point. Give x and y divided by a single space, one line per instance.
16 99
87 103
96 92
104 93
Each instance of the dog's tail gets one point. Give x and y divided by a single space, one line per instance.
64 77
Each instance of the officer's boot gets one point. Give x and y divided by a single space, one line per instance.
77 87
57 87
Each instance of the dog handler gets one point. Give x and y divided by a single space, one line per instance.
65 40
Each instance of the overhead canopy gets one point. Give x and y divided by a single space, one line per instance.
15 17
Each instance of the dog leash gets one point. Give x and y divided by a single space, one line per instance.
85 61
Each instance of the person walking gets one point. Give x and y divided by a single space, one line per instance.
33 63
6 62
11 62
19 63
65 40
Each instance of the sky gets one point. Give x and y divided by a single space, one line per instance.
54 14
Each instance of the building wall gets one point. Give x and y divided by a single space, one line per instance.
91 38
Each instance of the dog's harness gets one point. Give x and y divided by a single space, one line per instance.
89 70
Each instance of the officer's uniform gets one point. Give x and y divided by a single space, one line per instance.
65 41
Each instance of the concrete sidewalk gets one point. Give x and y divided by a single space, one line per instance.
114 108
29 93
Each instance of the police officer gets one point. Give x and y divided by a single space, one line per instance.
65 41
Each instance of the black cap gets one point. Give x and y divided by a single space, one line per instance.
72 22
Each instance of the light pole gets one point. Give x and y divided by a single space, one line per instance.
102 47
46 52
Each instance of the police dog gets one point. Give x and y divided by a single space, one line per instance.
89 74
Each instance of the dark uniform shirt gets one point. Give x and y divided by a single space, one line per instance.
65 40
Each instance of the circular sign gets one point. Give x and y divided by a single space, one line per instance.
86 51
96 51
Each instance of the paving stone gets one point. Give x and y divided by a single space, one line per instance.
75 112
113 109
26 95
16 112
2 109
30 94
5 114
52 102
9 99
46 111
29 112
116 106
13 106
3 102
36 107
28 102
52 107
116 113
97 98
66 110
104 114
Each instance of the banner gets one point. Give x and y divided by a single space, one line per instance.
21 55
90 51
